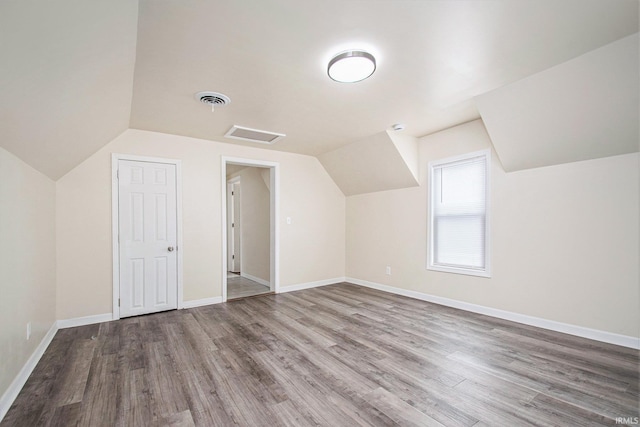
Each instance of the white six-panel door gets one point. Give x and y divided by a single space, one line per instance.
147 222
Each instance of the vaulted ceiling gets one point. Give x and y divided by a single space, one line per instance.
77 73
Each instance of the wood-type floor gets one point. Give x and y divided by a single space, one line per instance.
340 355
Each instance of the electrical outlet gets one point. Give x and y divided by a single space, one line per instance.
28 330
388 270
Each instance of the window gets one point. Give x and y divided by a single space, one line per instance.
459 214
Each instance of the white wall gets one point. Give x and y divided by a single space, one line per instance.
565 239
311 248
27 262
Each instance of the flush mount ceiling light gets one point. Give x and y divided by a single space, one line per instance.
351 66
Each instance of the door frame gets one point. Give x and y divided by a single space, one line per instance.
274 211
115 223
230 242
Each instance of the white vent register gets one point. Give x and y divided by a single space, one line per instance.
253 135
214 99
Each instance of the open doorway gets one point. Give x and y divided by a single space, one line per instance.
248 231
249 228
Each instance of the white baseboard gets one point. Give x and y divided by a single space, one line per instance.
309 285
566 328
200 302
87 320
18 382
256 279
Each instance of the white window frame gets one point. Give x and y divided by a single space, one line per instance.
486 272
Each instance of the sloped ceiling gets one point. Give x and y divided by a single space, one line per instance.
66 78
585 108
77 73
384 161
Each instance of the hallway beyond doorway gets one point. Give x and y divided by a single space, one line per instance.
240 287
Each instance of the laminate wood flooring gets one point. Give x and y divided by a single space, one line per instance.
340 355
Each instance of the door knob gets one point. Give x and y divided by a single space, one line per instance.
170 248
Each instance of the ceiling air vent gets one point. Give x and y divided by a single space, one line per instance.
253 135
214 99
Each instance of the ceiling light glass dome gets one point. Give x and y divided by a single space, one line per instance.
351 66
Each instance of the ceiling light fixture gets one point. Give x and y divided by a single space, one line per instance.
351 66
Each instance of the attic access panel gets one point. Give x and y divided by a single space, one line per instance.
253 135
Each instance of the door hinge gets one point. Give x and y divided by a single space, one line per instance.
118 174
233 224
232 193
118 302
233 257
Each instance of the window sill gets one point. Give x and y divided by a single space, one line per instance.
464 271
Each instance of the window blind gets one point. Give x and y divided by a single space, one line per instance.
459 213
